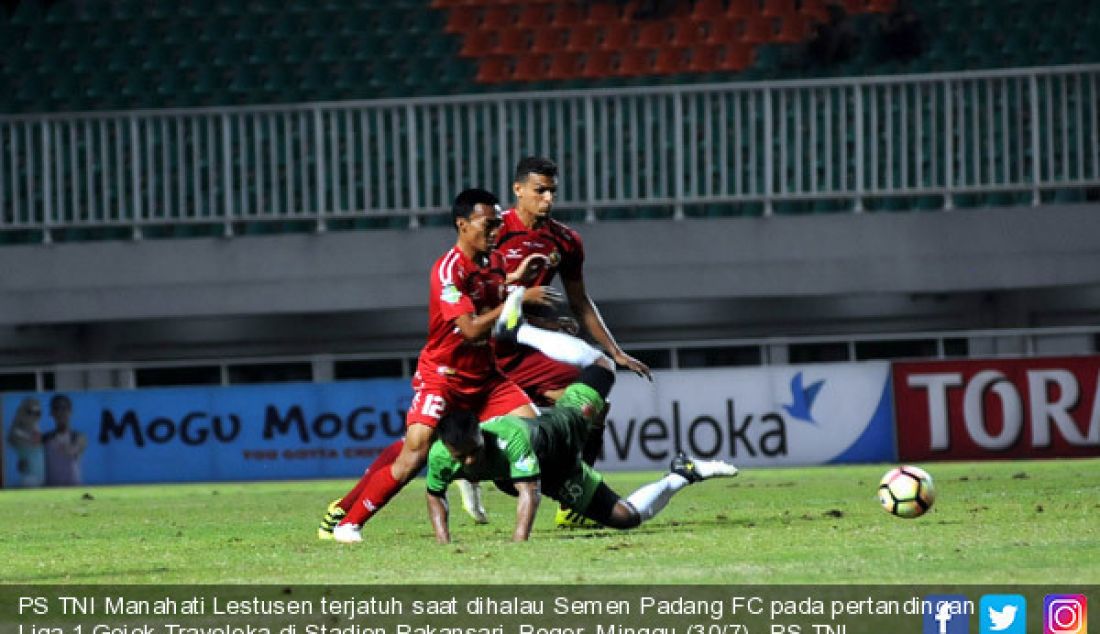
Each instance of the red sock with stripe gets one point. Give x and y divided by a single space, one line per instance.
380 488
385 458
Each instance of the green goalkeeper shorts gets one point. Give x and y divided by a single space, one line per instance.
577 489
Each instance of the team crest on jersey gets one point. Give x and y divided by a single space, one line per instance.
450 294
525 464
554 257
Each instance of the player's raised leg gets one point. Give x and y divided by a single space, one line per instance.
607 508
512 328
650 499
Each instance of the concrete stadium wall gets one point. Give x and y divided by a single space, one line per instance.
654 280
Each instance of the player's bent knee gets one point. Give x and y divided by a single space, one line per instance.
414 454
624 517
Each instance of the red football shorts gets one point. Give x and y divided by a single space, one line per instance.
495 396
537 373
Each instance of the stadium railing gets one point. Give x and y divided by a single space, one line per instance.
929 141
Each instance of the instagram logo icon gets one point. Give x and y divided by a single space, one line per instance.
1065 614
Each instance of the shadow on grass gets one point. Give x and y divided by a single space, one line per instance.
97 574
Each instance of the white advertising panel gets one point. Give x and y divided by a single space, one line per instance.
761 416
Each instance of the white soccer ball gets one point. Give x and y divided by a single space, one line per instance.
906 491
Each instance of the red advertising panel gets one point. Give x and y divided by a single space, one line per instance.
997 408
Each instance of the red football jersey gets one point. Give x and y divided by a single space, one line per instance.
561 244
460 286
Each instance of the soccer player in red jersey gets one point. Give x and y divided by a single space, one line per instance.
529 230
456 366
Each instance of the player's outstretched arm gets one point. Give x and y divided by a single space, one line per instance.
528 269
476 327
527 506
437 513
589 316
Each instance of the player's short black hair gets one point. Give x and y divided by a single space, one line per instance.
58 399
535 165
467 199
456 426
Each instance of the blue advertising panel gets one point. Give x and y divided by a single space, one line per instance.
284 431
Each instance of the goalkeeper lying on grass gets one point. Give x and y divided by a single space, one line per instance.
526 457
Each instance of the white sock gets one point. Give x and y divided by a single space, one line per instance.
651 498
714 468
558 346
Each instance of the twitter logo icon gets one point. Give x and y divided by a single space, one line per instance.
1002 614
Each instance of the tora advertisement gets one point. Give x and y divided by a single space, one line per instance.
998 408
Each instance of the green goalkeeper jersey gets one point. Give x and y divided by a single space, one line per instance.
547 447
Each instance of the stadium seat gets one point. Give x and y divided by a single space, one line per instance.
688 33
636 62
814 10
722 31
582 38
530 67
617 36
462 19
599 64
493 70
707 10
704 58
478 44
738 9
565 65
569 14
498 18
777 8
549 40
534 16
757 30
653 34
513 42
793 28
671 60
735 57
603 13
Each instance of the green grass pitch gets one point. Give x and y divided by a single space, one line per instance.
1028 522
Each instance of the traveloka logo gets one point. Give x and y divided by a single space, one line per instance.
802 399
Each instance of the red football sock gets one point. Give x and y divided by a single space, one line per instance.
380 488
384 459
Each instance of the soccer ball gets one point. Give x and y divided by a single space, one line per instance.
906 491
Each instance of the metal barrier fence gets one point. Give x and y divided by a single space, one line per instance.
1022 130
666 355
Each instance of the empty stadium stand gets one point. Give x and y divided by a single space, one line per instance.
260 171
65 55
